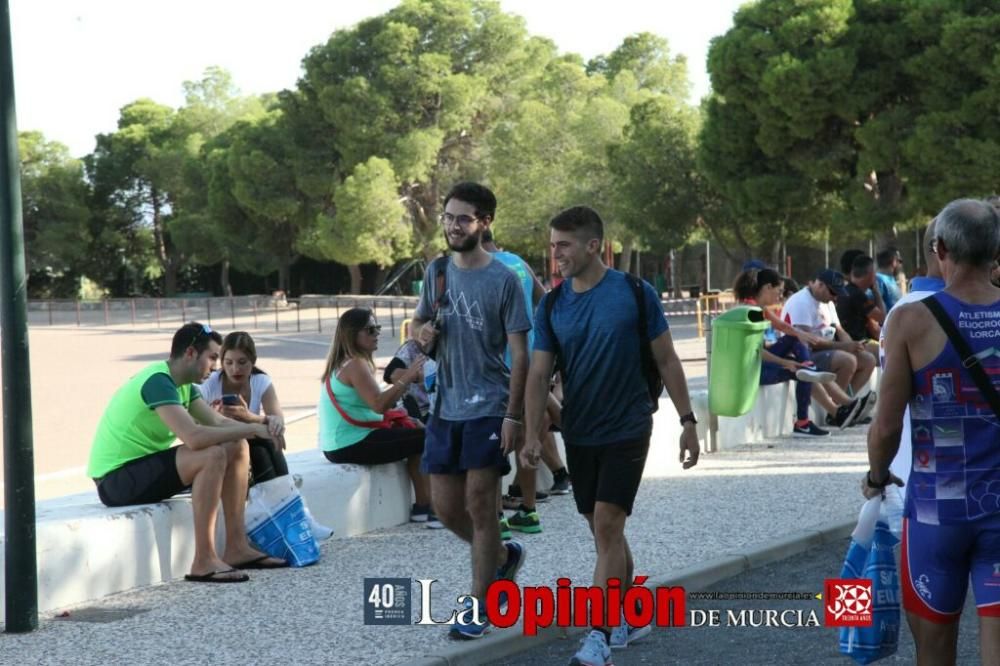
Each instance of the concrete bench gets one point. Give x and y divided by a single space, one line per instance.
772 415
87 550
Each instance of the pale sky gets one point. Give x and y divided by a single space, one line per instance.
77 62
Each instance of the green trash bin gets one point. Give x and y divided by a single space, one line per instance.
737 338
416 287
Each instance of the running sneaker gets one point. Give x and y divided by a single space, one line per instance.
515 559
505 533
814 376
514 494
560 484
810 429
433 522
420 513
465 627
594 651
867 409
625 634
525 521
860 409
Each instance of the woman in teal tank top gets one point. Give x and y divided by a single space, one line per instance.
351 399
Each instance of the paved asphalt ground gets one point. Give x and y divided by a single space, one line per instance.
706 646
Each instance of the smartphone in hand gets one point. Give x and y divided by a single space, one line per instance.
231 399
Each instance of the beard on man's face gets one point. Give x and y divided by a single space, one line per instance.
465 243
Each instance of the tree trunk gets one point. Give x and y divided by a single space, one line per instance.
355 271
227 288
675 276
170 278
284 270
625 260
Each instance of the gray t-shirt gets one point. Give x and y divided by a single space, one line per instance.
480 308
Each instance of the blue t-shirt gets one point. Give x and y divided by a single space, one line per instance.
606 400
889 289
520 269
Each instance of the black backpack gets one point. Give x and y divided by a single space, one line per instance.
650 372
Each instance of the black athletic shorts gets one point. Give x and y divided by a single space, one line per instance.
145 480
607 473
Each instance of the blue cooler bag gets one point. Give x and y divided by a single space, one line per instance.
870 555
276 522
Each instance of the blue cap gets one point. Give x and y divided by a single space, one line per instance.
833 280
755 264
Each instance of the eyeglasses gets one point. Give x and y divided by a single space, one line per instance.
447 219
373 330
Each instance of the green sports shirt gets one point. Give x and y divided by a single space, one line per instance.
131 428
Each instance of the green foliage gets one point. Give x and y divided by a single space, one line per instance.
416 86
660 194
370 222
55 215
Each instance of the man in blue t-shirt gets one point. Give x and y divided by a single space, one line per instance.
890 263
607 410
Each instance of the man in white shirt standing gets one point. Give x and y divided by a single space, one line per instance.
812 310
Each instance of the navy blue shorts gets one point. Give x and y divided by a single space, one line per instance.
454 447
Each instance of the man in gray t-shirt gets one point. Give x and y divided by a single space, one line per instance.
481 306
477 416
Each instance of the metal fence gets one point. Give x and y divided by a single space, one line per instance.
308 314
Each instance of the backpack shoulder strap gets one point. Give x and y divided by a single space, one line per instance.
969 360
439 269
640 302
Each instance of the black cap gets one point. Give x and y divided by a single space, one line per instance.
833 280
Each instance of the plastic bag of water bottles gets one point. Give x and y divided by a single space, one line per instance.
871 556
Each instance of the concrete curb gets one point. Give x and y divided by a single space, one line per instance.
506 643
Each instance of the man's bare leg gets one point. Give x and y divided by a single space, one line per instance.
234 499
449 496
204 471
488 552
989 640
843 365
865 367
421 484
937 644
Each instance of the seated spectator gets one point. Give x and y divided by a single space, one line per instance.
811 309
847 261
352 436
860 307
133 459
240 381
417 400
785 357
890 266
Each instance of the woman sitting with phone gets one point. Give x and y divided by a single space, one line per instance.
243 392
353 410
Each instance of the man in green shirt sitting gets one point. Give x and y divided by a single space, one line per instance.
133 459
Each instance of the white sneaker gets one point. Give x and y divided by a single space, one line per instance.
594 651
625 634
814 376
319 532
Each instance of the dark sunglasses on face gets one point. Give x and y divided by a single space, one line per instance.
373 330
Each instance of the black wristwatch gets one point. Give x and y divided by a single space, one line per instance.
689 418
877 486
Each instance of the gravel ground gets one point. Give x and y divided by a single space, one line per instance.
734 499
